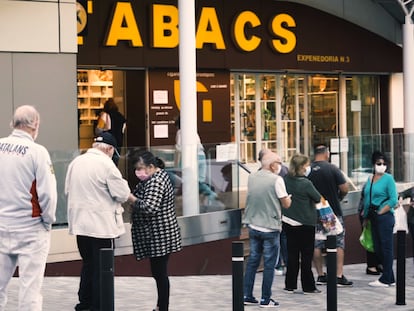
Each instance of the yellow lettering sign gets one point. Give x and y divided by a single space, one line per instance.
239 31
165 26
208 30
287 41
123 26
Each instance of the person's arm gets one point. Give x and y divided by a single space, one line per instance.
343 190
392 196
286 201
46 187
117 185
341 182
284 197
313 193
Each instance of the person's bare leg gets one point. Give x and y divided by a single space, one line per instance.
340 254
318 261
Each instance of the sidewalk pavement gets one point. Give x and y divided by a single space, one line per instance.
214 293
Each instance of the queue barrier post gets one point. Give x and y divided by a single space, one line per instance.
237 275
400 288
106 279
331 290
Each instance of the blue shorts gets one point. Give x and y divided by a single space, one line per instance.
340 238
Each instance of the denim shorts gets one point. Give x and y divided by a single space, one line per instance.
340 238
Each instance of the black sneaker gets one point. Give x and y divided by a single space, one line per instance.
342 281
322 279
270 303
250 301
289 290
314 291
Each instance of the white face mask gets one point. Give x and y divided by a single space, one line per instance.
307 171
380 169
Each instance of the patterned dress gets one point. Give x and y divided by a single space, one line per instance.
155 230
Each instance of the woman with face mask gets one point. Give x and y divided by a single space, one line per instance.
299 223
155 230
380 197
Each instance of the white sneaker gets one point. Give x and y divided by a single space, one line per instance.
279 271
378 283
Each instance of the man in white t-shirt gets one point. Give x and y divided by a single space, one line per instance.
266 195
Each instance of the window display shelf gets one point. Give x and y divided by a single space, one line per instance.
95 87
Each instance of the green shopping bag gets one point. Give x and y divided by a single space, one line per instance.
366 238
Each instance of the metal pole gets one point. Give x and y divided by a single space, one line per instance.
237 267
106 279
400 267
331 293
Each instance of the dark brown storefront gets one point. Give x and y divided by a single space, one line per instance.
140 39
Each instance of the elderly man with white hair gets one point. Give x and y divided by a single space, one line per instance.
28 200
266 194
95 190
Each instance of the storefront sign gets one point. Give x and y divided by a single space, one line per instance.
233 34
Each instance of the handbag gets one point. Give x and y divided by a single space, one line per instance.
400 219
328 223
103 123
366 237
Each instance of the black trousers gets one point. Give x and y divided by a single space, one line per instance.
89 249
300 246
159 270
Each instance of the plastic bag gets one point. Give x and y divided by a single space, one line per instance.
328 223
400 219
366 237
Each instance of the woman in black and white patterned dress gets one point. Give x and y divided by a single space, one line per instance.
155 230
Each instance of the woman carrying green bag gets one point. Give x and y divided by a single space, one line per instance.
380 199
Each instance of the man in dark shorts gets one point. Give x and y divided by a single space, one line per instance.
330 182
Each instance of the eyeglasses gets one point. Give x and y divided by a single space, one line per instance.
380 163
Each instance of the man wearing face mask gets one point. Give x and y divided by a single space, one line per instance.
95 190
266 195
331 184
380 197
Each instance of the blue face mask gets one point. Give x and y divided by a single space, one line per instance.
307 171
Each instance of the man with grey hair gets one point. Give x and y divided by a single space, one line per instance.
28 200
95 190
266 194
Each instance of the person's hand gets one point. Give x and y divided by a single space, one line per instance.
132 199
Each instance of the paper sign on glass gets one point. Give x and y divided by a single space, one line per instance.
161 131
160 96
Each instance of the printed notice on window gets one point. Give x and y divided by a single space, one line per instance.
161 131
226 152
160 97
339 145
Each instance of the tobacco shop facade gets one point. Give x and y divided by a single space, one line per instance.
271 74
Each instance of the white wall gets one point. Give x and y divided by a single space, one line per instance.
38 26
